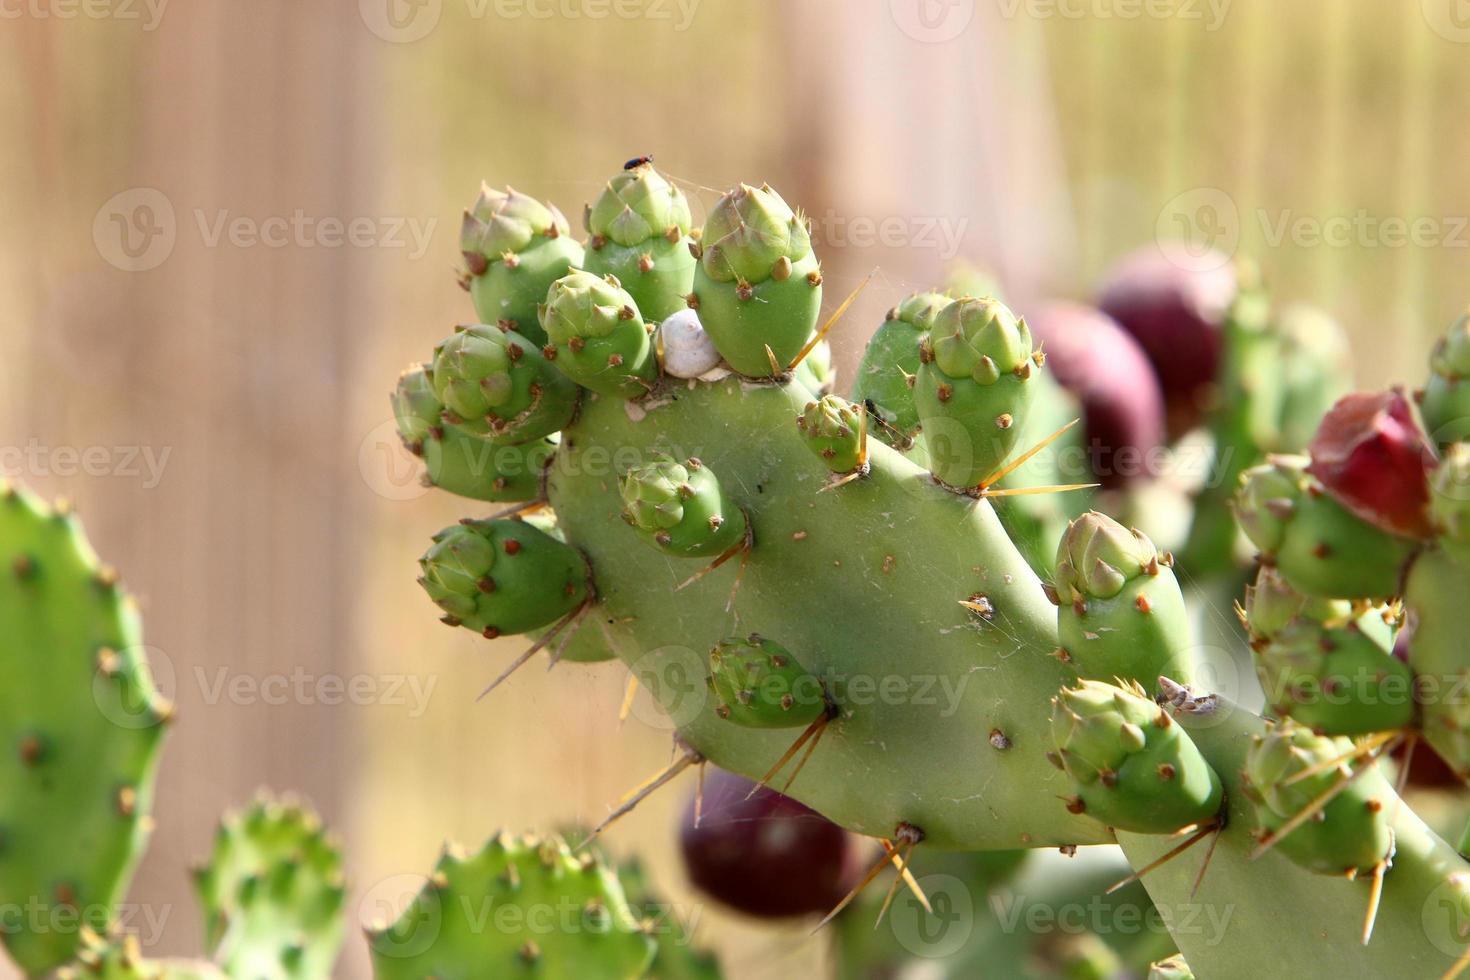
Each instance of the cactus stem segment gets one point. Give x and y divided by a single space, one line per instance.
644 790
570 620
821 334
1005 470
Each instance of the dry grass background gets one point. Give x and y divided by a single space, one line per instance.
275 541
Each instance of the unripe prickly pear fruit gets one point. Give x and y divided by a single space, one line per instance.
973 388
681 508
1445 400
597 336
758 284
1119 609
1131 765
504 576
1317 544
462 462
891 360
834 429
1369 454
638 232
514 248
759 684
1326 664
496 383
1352 834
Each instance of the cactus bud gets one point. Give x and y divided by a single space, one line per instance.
1131 765
1173 968
834 429
891 359
1445 400
757 284
759 684
514 248
503 576
493 382
598 335
639 227
1369 454
680 508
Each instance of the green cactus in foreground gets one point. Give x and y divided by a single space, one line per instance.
639 233
81 725
904 594
514 248
118 957
273 893
554 915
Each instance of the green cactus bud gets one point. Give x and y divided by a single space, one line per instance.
1352 834
891 360
973 388
639 233
503 576
1173 968
81 726
273 893
816 372
758 283
1120 612
514 248
1131 765
462 462
680 508
552 915
1444 403
496 383
835 430
1316 544
597 336
1435 594
759 684
1320 665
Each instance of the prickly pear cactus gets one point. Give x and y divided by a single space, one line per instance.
81 725
697 511
553 915
273 893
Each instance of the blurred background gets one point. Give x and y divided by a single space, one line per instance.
226 227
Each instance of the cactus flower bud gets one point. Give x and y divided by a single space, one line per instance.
891 360
597 336
1445 400
493 382
680 508
833 428
1369 454
759 684
639 233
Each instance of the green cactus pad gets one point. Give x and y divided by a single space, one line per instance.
973 390
677 957
891 360
758 283
273 893
552 914
462 462
1444 403
81 725
1131 766
1351 836
1316 544
639 233
758 684
514 248
1120 612
119 957
597 337
835 430
503 576
1320 663
680 508
495 382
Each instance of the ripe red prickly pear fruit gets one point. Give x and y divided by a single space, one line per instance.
767 856
1370 454
1122 404
1174 302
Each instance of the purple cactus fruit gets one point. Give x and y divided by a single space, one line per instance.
1371 456
1101 364
1174 302
767 856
